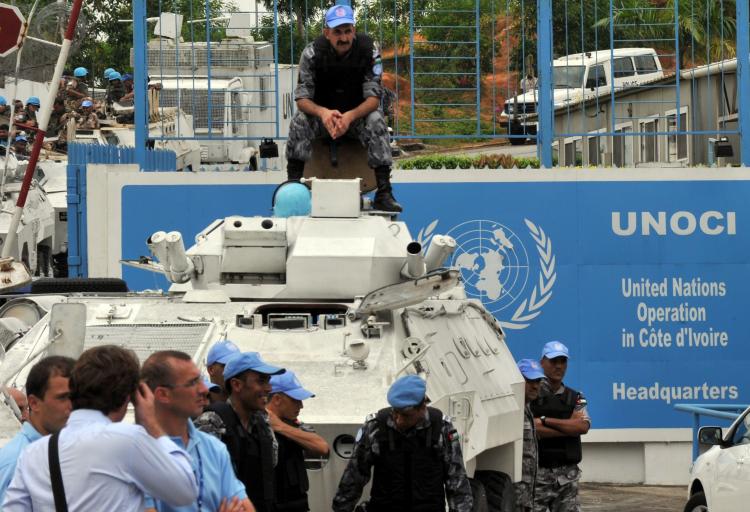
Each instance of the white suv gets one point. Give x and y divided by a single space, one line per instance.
720 478
580 77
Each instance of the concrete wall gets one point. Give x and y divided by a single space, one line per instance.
637 456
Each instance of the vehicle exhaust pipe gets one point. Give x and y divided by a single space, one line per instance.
440 249
415 266
157 244
180 266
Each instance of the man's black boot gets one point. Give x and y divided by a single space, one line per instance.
294 169
384 199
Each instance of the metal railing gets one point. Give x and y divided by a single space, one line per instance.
563 74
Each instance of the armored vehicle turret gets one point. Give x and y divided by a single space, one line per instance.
345 298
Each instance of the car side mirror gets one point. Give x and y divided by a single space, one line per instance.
710 436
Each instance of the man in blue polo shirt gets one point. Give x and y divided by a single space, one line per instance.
49 407
216 360
179 395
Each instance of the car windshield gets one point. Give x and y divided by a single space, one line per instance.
568 77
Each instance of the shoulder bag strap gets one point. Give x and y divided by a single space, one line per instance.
58 490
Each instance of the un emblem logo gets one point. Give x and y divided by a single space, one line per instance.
495 268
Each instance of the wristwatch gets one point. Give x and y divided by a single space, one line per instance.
544 420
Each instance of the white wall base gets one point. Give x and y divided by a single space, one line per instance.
637 456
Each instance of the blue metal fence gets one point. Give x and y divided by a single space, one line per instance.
485 70
79 156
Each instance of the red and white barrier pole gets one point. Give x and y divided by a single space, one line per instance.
43 121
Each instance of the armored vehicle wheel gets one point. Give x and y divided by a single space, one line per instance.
71 285
499 488
697 503
479 494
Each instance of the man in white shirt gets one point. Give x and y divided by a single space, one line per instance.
105 465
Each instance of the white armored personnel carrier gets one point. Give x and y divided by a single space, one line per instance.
345 298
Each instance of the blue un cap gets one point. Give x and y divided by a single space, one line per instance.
289 384
408 391
243 361
530 369
339 15
221 352
554 349
87 103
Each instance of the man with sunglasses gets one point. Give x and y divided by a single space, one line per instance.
242 425
179 394
415 456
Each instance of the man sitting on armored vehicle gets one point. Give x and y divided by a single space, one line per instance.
338 93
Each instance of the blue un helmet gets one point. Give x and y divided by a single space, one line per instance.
114 75
3 101
108 72
291 199
33 100
80 72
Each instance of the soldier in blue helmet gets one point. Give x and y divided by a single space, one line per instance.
21 146
4 111
414 454
32 107
76 88
115 89
561 418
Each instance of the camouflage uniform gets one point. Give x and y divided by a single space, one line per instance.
357 473
529 464
557 488
5 115
371 131
72 101
115 91
211 423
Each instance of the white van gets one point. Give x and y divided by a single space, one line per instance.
582 76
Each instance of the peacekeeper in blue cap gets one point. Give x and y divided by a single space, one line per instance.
338 94
415 456
296 440
560 418
533 374
216 360
243 426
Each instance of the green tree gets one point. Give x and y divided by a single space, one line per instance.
706 29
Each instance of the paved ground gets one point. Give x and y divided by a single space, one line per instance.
635 498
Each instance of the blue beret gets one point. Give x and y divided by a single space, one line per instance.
408 391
